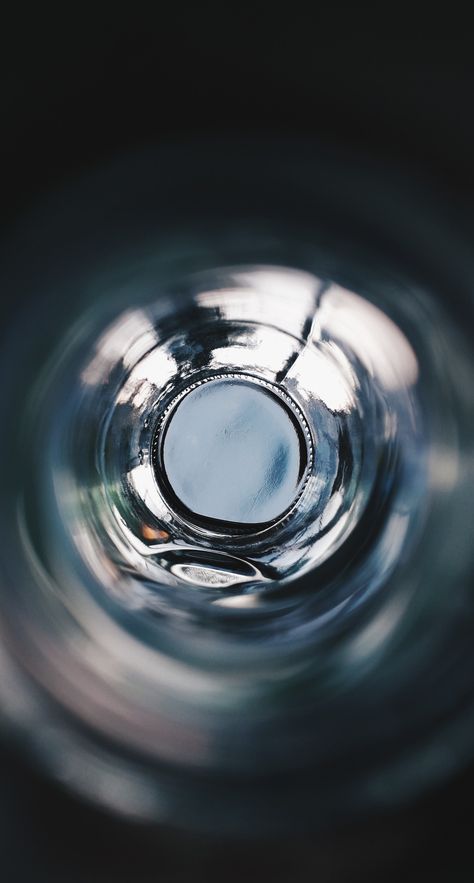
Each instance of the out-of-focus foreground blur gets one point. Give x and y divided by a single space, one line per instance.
237 453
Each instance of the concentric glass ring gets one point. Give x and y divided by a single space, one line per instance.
217 672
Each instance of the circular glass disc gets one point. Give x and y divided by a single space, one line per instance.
232 451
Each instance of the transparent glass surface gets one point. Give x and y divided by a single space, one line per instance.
237 465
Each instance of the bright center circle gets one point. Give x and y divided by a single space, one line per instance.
232 451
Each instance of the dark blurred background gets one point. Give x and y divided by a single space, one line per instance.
76 90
